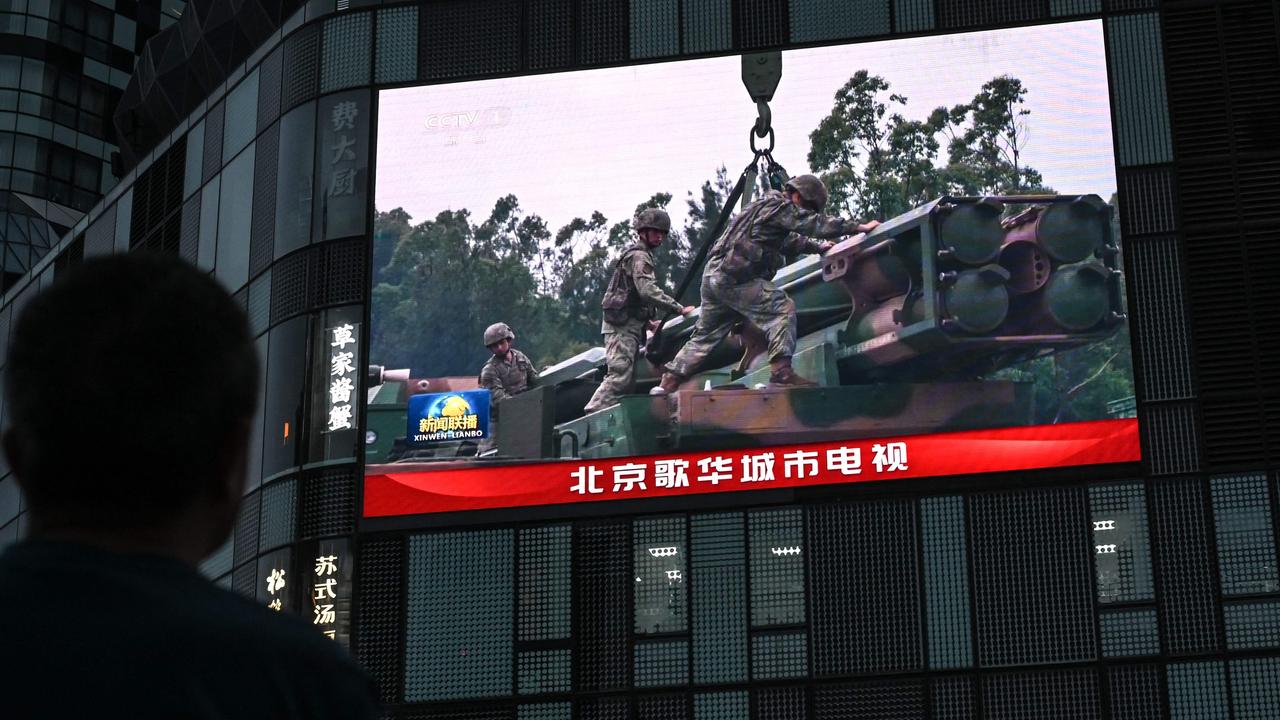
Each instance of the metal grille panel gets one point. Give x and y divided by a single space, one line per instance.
263 227
397 47
660 564
1188 615
946 583
708 26
1138 89
1130 633
655 28
1064 695
886 701
777 567
1245 535
1172 438
1197 691
602 614
460 38
1255 688
662 664
380 600
1163 346
348 40
1121 542
719 598
328 502
279 514
816 22
1135 693
301 67
545 573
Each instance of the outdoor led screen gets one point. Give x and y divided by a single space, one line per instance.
980 327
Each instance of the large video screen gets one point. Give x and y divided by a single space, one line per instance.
650 281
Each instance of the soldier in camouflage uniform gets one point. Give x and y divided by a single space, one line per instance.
630 305
737 284
509 372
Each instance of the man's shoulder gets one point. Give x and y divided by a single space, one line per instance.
520 358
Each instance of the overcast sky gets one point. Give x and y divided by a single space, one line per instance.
569 143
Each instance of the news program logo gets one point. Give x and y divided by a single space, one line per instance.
441 417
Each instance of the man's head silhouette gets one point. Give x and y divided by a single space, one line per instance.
131 384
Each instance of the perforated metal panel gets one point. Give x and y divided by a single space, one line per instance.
969 13
818 21
279 513
545 581
328 504
1135 693
544 671
913 15
1163 347
1197 691
1147 201
777 567
662 707
604 709
458 634
189 242
1172 433
708 26
1255 688
897 700
1252 625
1034 588
339 272
655 28
1188 616
721 706
719 592
603 619
1245 535
348 43
263 225
779 656
245 537
946 583
301 67
397 46
270 71
244 579
781 703
953 698
864 579
289 287
379 605
460 38
1069 8
1129 633
545 711
659 560
1121 542
761 23
1061 695
1138 89
100 238
550 34
661 663
602 30
219 563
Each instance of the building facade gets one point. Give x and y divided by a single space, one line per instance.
955 597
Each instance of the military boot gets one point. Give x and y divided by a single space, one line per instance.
782 374
670 383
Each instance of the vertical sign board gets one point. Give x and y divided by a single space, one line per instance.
342 166
328 566
276 580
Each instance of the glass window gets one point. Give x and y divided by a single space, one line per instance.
126 31
10 71
32 75
99 23
195 159
282 409
208 223
234 216
124 220
294 178
343 165
241 118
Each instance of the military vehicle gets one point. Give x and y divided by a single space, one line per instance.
902 329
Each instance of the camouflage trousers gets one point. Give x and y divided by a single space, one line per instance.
725 302
621 350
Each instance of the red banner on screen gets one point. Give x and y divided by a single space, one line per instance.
456 487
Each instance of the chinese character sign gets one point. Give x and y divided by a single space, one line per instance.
342 165
342 343
328 584
449 416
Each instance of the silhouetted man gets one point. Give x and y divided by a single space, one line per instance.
131 385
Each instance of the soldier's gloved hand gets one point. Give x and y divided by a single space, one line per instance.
686 310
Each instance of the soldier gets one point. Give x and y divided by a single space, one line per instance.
630 305
737 284
509 372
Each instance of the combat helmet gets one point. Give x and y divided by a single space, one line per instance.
811 190
498 332
652 218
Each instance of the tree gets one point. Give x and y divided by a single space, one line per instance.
987 137
874 163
